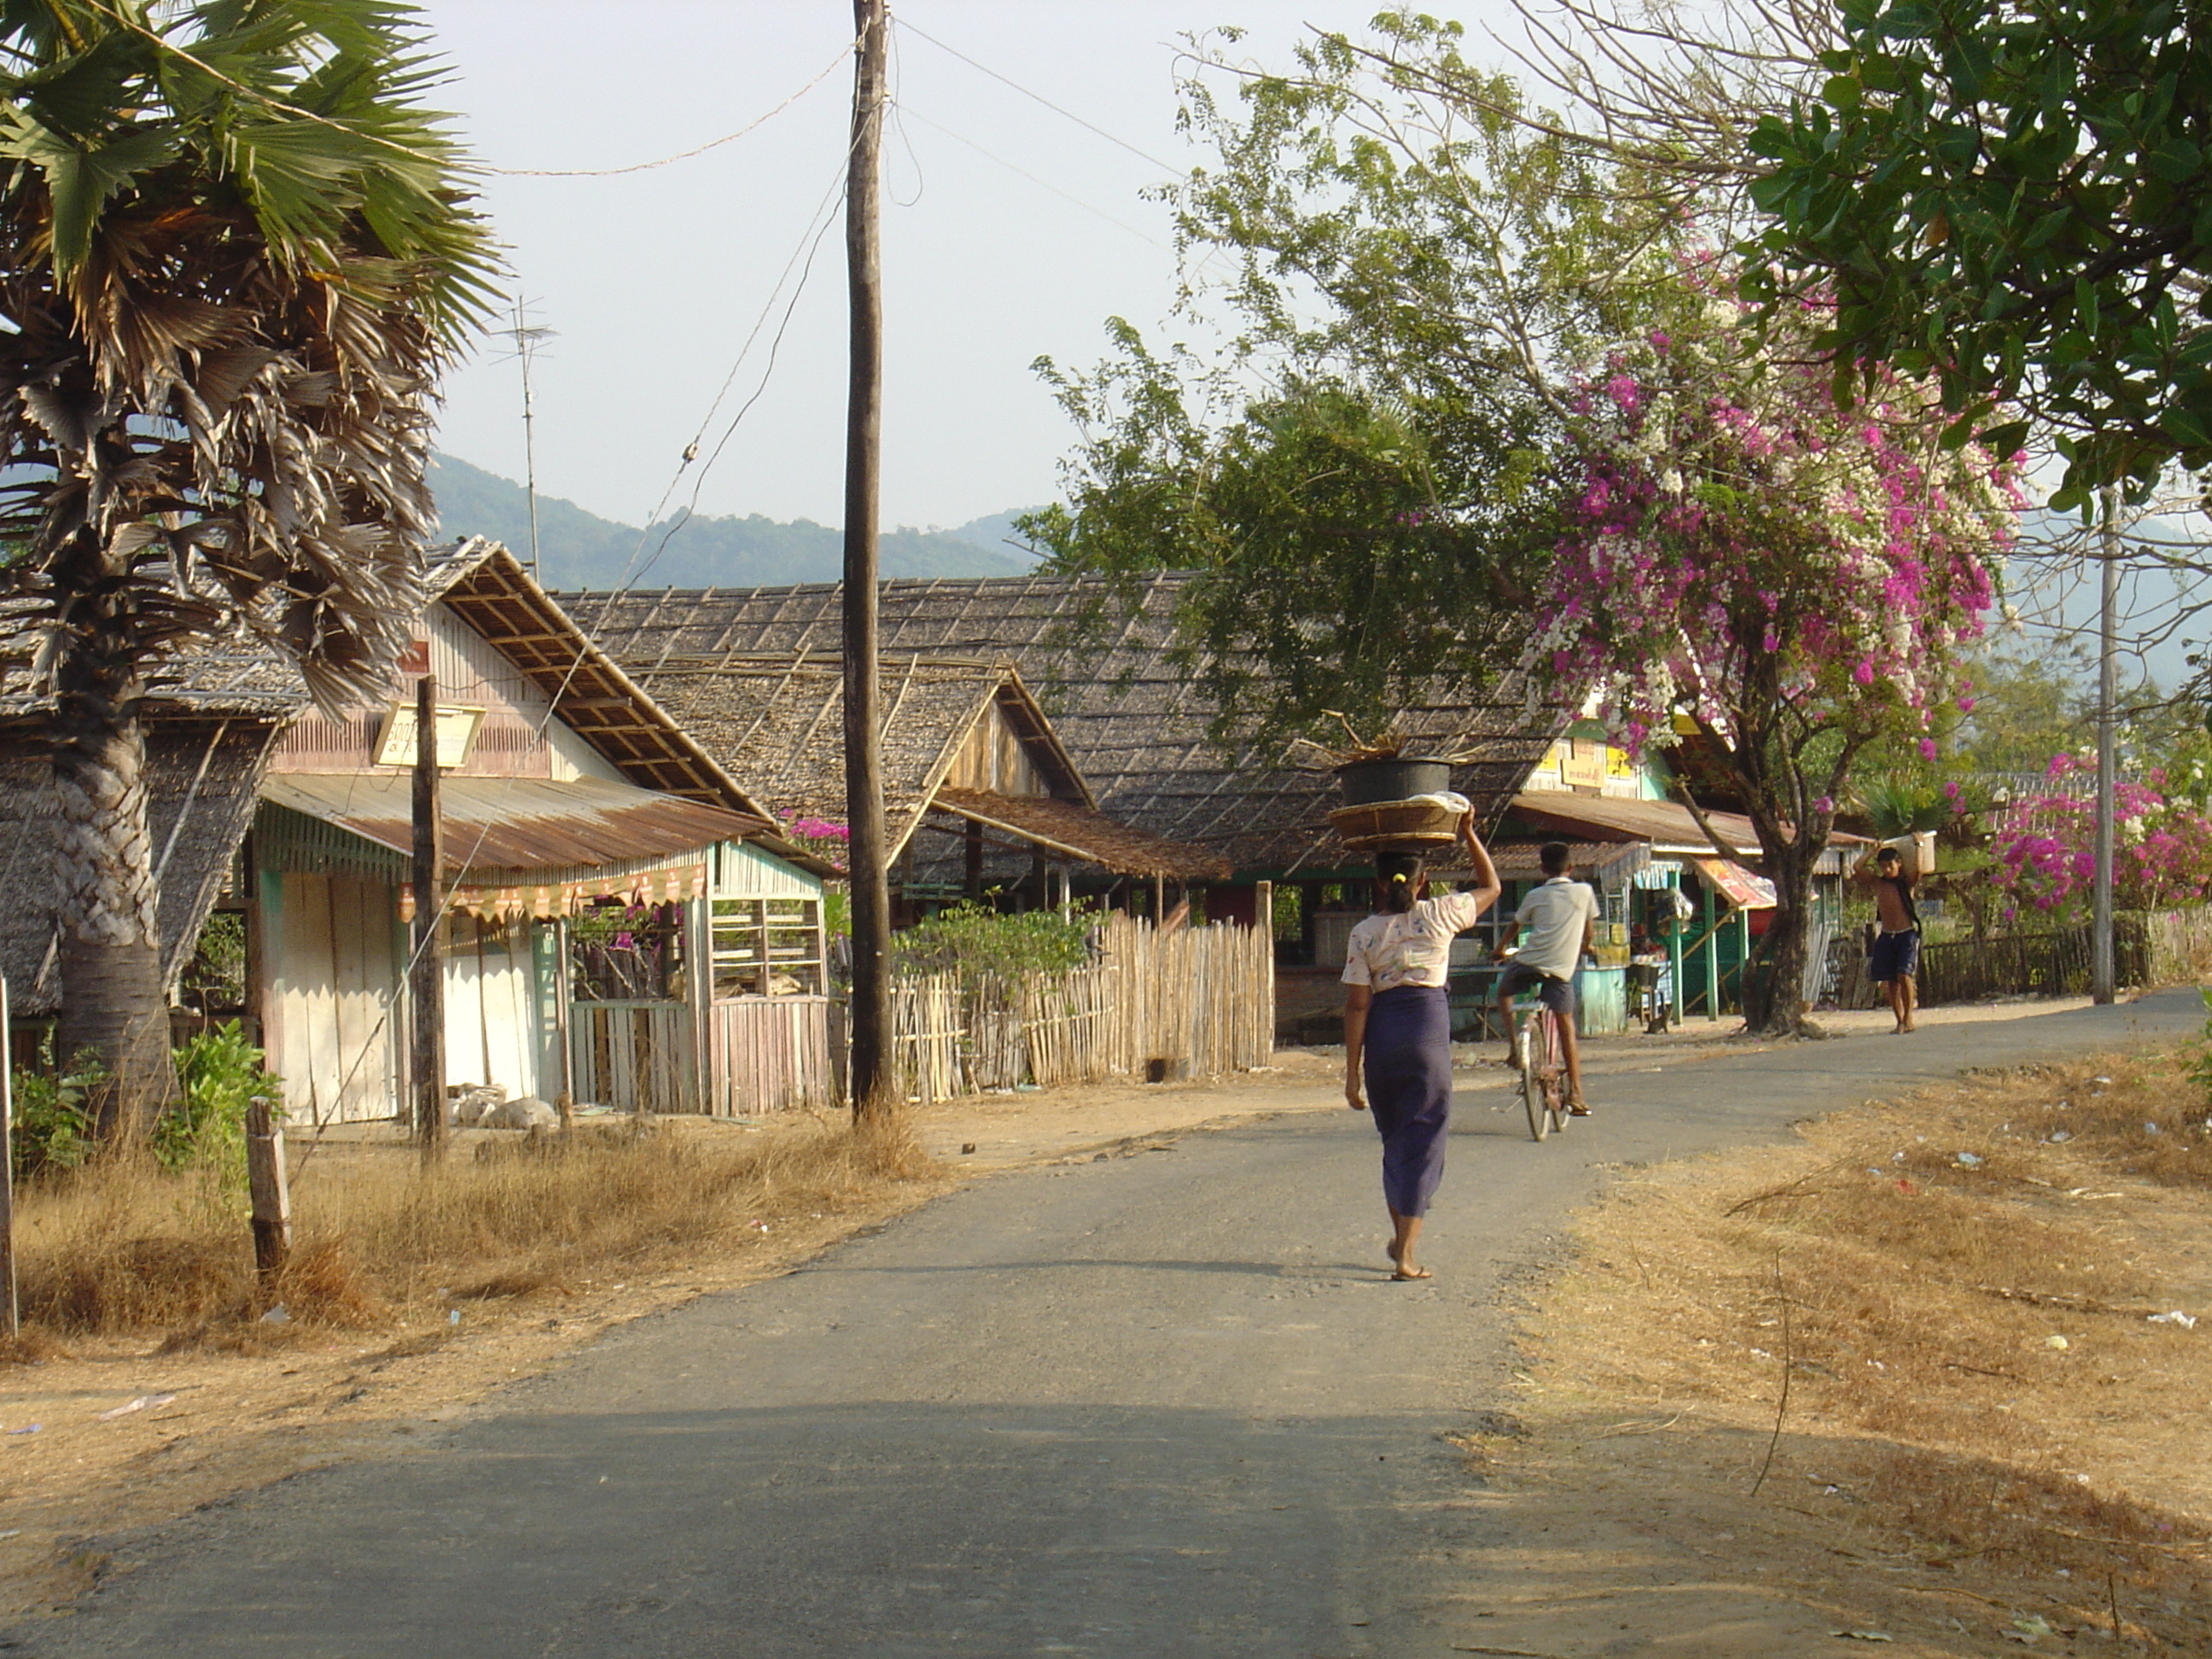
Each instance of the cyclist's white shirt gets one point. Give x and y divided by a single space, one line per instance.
1386 950
1555 912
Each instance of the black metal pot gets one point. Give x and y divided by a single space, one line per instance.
1397 779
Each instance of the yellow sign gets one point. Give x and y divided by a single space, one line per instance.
457 736
1583 765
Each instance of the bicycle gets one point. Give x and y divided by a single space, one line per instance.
1543 1071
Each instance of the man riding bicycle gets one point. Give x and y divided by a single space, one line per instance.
1560 914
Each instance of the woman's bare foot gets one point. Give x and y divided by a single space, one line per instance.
1407 1271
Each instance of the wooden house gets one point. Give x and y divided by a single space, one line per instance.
979 796
621 923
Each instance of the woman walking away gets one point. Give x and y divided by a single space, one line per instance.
1397 1028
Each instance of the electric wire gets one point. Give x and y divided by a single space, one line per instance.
903 26
1041 183
681 156
161 42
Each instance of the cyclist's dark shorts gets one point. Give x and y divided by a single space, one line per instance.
1557 994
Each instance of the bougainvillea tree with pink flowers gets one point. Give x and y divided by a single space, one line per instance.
2044 847
1792 579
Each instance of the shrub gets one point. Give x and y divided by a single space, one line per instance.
53 1122
218 1073
974 940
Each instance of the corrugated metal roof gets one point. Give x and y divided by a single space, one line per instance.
1664 823
514 824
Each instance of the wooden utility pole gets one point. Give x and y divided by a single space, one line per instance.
426 976
863 770
2103 972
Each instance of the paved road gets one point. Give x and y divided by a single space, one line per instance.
1163 1404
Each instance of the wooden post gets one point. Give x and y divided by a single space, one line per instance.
1676 996
2103 976
972 869
426 976
270 1189
7 1165
1159 900
869 851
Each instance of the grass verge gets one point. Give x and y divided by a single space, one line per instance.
123 1247
1941 1331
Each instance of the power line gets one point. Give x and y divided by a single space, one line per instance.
1026 92
681 156
459 165
1045 184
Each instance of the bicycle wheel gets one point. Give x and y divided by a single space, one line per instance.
1555 1076
1533 1050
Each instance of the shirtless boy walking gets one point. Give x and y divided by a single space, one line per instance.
1895 958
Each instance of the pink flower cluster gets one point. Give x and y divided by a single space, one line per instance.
1737 534
2045 849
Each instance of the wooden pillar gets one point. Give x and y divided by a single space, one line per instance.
1712 948
1159 900
699 962
271 1191
561 1034
1674 1010
972 862
427 972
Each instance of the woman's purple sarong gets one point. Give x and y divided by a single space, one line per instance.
1408 1067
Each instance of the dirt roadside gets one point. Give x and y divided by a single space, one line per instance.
1925 1379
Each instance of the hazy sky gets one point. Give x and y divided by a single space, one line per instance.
652 282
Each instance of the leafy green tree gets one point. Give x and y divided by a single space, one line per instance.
2016 200
1360 481
235 251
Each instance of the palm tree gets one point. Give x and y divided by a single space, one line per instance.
235 253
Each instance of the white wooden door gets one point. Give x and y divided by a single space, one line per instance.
336 1035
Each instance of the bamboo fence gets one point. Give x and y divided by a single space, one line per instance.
1156 1004
2149 947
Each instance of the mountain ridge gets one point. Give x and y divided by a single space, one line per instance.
577 549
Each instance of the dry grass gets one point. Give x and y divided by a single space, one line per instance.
123 1248
1960 1305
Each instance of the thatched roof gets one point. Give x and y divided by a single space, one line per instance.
202 776
778 723
1083 833
1132 713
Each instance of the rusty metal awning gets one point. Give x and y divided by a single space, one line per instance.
514 824
1740 889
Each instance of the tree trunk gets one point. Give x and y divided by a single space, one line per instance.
1774 979
113 996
